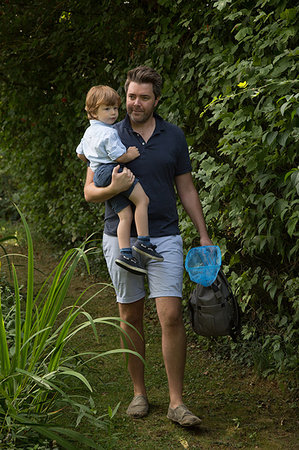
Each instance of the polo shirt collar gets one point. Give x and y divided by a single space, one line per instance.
98 122
160 123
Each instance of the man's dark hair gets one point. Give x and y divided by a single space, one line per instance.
144 74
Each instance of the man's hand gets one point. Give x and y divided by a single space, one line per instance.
121 181
205 241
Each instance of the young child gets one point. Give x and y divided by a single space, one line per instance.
103 149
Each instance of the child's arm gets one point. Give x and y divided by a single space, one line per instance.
82 157
131 153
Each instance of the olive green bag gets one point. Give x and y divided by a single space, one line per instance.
214 310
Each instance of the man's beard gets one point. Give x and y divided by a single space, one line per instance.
141 116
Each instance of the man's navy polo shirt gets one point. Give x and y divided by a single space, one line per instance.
162 158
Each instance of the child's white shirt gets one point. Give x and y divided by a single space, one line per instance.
100 144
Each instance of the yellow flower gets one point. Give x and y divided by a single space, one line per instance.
242 84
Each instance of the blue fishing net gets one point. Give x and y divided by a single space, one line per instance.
203 264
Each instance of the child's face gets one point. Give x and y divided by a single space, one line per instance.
107 113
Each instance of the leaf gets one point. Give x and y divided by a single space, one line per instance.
295 180
221 4
29 297
284 107
78 375
281 207
292 224
114 411
189 75
252 165
54 432
4 354
242 33
269 199
273 291
38 379
271 137
282 138
290 173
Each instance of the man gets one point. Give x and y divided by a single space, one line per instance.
163 163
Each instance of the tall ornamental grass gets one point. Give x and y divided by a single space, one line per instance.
35 369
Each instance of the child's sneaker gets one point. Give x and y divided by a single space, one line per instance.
131 264
147 250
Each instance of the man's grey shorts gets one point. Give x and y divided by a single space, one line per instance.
165 279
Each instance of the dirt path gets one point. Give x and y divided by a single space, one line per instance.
239 410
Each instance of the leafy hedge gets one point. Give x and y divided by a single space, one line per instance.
230 81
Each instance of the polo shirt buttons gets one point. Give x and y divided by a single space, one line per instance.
143 143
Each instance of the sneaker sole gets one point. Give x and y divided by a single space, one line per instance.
135 270
146 254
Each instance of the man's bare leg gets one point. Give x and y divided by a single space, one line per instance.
173 345
174 353
133 314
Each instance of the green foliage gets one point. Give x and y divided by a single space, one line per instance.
35 365
234 89
230 80
51 54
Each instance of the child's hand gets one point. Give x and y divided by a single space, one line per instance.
133 153
82 157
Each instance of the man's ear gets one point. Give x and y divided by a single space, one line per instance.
156 101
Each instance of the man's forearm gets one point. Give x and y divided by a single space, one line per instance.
192 205
193 208
96 194
91 192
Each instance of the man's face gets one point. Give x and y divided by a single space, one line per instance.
140 101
